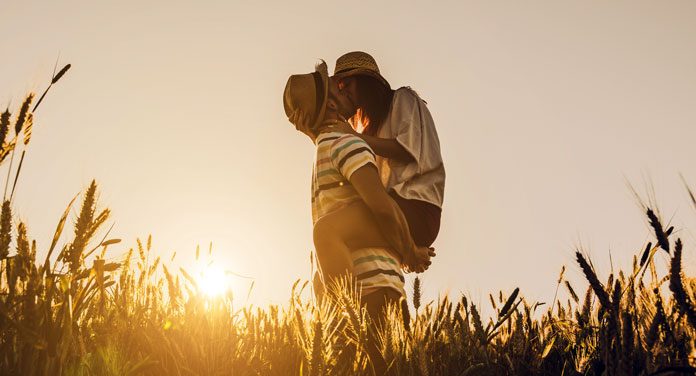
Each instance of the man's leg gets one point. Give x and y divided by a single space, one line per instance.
376 304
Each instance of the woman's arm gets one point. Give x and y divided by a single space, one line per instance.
388 148
384 147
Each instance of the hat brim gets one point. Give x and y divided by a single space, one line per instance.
361 72
323 71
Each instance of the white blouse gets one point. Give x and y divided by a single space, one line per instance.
410 123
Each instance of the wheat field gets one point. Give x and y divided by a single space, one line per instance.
73 313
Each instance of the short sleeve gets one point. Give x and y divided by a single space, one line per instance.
349 153
406 122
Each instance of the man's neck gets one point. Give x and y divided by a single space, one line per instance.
325 128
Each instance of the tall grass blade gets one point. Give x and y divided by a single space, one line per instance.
58 232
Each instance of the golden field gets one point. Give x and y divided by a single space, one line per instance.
73 312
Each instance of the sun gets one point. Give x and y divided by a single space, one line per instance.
214 282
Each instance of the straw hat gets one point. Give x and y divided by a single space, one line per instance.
309 93
358 63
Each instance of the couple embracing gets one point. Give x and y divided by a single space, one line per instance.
378 179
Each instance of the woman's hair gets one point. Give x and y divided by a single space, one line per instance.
375 101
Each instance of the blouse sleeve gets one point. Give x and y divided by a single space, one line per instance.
406 120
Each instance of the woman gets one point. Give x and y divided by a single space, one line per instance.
398 127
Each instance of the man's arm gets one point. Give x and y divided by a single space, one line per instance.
389 217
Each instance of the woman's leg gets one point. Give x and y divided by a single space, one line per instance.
423 219
335 234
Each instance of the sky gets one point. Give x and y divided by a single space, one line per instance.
545 111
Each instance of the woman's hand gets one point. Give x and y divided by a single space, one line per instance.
301 122
341 126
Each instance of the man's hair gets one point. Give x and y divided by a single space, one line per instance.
375 100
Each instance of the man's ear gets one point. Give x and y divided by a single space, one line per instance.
332 105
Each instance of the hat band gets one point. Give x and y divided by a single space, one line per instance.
346 70
319 89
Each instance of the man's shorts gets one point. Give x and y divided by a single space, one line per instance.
423 219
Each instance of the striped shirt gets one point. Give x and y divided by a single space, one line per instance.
338 156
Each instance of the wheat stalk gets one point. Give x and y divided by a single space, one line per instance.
676 285
660 234
597 286
416 293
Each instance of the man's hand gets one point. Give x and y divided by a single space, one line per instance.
419 261
340 126
301 122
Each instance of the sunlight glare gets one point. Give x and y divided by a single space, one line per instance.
213 282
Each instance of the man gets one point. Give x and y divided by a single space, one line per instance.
345 176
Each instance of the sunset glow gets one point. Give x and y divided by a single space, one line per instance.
366 188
